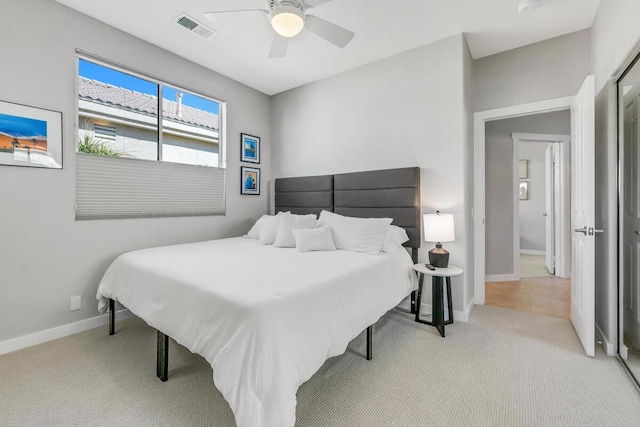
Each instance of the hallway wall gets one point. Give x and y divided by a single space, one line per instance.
499 243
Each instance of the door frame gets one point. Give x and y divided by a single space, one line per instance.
479 121
562 199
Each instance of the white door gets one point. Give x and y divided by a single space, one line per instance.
583 215
549 172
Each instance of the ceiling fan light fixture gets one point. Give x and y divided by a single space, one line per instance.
287 21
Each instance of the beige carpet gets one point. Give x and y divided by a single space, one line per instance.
503 368
533 266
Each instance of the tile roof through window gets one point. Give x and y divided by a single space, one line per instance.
103 93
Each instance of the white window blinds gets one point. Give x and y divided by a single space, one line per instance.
112 187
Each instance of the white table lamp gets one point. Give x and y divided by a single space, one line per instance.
438 228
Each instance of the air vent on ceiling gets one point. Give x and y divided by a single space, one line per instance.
194 26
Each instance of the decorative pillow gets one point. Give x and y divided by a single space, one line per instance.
254 233
269 228
394 239
317 239
356 234
290 222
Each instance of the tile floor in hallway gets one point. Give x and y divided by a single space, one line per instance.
547 296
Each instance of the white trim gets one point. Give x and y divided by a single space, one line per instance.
608 347
480 118
40 337
458 316
540 137
532 252
501 278
515 200
464 316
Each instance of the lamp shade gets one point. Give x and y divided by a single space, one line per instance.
438 227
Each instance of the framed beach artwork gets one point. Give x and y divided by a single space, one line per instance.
250 148
30 136
250 181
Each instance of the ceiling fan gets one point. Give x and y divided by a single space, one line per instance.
288 18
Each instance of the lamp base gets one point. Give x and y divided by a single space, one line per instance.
439 257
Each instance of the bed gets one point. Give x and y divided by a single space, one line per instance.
267 318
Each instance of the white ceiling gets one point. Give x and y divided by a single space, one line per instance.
383 28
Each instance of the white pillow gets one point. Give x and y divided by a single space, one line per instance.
318 239
290 222
394 239
356 234
269 228
254 233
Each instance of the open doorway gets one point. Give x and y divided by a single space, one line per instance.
543 176
527 213
582 209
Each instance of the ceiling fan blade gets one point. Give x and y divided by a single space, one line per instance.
315 3
278 47
329 31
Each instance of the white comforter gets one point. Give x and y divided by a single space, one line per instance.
265 318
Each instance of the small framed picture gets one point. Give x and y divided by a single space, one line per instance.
250 181
250 148
524 190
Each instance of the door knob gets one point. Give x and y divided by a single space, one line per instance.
544 214
637 232
588 231
581 230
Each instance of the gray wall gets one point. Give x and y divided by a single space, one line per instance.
615 34
46 255
406 110
499 182
532 223
549 69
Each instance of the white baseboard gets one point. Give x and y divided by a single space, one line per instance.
464 317
608 347
458 316
501 278
40 337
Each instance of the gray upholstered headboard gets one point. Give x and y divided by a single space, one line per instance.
390 193
305 195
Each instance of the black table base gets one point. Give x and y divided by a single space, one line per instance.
437 303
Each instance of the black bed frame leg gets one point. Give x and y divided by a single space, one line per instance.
413 302
370 342
162 359
112 317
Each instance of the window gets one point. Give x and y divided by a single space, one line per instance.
134 162
190 129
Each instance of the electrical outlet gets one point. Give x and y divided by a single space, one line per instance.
76 303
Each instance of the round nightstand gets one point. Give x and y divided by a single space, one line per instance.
438 277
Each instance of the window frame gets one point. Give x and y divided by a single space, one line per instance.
161 83
207 203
